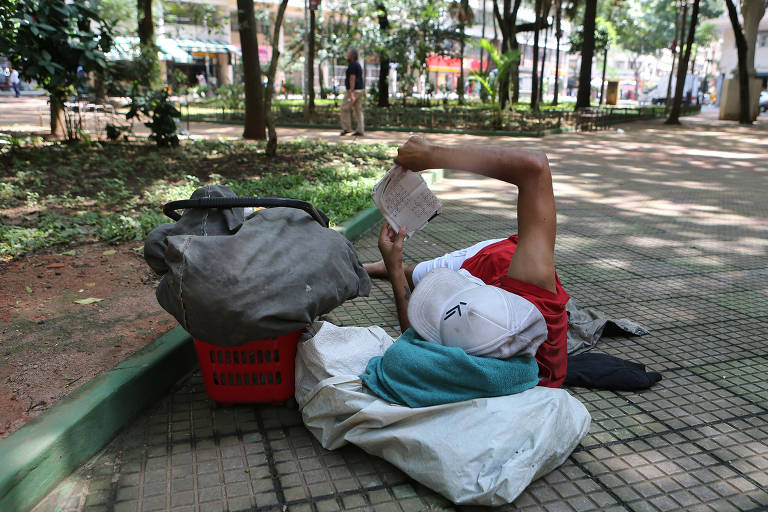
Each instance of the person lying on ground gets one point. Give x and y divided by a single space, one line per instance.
499 298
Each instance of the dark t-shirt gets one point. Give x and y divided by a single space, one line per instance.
354 68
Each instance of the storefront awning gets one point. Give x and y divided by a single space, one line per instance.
198 46
127 48
171 49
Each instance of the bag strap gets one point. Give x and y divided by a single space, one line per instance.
241 202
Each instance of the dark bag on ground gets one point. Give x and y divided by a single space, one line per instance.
273 274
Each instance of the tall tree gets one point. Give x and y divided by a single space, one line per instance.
587 52
605 36
464 16
255 120
47 41
741 51
678 41
309 111
507 22
682 68
384 62
535 66
149 64
543 64
271 149
558 36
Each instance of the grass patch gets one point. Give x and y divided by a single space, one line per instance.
56 194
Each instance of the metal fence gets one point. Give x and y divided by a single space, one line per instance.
464 119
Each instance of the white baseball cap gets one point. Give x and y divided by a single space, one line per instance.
454 309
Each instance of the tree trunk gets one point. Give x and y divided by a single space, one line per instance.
460 85
271 149
741 50
535 65
558 35
678 37
587 52
682 67
57 116
146 28
482 35
507 24
321 80
310 111
255 120
602 80
383 100
503 81
514 72
543 62
149 74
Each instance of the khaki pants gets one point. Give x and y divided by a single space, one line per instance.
348 106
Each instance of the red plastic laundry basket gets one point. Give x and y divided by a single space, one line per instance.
259 371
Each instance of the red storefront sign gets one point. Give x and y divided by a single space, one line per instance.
452 65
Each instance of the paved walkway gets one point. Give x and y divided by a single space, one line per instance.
665 226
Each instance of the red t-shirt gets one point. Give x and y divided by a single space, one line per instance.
491 265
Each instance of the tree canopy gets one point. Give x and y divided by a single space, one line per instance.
49 41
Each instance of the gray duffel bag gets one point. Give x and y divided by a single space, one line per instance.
275 273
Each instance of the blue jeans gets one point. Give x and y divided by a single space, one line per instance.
16 89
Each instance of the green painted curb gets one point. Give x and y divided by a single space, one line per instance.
360 223
34 459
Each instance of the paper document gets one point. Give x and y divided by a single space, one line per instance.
404 199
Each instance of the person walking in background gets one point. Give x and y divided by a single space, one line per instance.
354 98
15 82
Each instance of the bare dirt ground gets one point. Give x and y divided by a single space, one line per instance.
50 344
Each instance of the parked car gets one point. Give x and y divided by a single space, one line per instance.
764 101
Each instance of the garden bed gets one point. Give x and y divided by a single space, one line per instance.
448 117
56 194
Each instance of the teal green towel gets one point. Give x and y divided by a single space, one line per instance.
417 373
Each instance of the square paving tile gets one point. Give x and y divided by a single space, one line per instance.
669 472
685 399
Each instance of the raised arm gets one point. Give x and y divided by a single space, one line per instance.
391 248
533 261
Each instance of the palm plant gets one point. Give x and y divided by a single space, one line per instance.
490 81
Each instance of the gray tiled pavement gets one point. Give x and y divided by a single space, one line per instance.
665 226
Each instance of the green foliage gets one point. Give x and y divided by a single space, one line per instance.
503 62
231 96
47 41
161 111
76 194
192 13
605 36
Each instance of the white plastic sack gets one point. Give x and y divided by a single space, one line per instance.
483 452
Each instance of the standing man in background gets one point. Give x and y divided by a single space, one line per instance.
354 98
15 82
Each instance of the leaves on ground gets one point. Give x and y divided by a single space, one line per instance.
89 300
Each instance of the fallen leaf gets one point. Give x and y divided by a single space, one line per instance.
29 290
89 300
109 252
56 265
69 253
90 285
